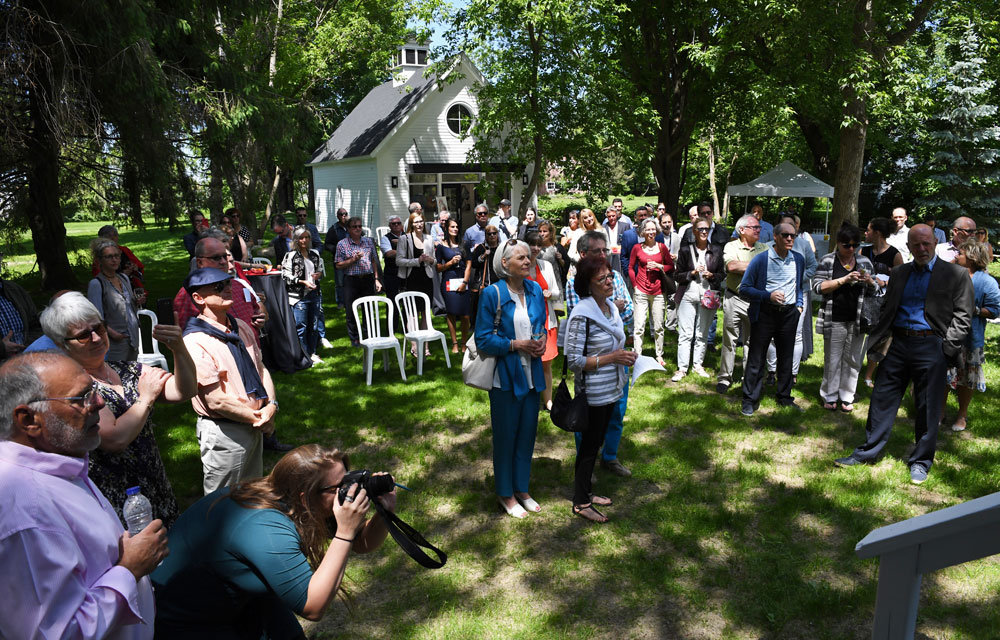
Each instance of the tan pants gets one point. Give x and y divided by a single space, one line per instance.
644 302
735 316
230 452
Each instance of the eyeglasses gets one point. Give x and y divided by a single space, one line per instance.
84 336
87 400
598 252
354 226
753 227
786 235
112 256
850 245
216 258
608 277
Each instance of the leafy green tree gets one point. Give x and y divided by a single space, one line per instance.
967 139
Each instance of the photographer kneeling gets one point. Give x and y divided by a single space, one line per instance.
244 561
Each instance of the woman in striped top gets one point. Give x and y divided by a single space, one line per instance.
595 328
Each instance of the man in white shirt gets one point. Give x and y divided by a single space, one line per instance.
614 230
898 237
504 221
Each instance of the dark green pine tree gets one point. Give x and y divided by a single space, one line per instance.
967 141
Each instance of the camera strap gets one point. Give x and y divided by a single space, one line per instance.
410 540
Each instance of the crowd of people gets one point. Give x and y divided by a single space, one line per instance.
76 408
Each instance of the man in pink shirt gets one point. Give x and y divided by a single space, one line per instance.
235 402
69 570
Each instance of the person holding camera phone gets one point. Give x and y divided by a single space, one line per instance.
244 562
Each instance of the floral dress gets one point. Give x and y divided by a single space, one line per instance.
139 464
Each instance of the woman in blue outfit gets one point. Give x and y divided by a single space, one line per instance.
243 563
976 257
516 335
455 270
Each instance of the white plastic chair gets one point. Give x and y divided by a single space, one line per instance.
379 232
153 358
369 323
366 232
409 304
261 261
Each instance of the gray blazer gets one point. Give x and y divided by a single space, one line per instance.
947 308
406 258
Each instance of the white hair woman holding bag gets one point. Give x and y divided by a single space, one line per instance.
516 337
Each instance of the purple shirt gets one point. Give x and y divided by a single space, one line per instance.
59 549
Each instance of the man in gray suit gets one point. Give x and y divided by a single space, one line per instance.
925 318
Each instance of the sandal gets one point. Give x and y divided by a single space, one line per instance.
600 501
588 512
869 383
846 407
454 347
830 406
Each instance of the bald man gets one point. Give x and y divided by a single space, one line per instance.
925 318
962 229
900 236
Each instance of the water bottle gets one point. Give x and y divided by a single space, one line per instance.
137 510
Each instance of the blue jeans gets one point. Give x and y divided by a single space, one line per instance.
320 322
515 424
306 312
613 436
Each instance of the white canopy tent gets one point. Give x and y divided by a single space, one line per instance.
785 180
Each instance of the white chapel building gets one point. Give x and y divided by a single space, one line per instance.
408 140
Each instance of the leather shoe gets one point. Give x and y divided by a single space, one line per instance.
272 443
747 409
722 388
770 380
849 461
616 467
918 475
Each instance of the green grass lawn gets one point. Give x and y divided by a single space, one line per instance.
729 527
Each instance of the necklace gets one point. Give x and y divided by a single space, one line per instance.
105 374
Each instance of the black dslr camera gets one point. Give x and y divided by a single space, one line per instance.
375 485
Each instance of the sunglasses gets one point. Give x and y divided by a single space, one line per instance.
87 400
702 229
786 235
492 233
850 245
84 336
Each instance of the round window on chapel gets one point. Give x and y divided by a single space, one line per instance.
459 120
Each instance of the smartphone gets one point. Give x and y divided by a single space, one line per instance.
165 310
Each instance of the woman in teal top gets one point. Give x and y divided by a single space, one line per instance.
244 563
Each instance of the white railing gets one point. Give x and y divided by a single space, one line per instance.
909 549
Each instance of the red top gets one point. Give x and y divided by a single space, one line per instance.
184 308
643 279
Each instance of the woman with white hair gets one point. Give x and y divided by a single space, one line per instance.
302 268
650 263
128 455
112 295
510 325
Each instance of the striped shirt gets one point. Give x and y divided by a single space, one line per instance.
602 386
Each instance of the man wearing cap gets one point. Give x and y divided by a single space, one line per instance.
504 221
235 402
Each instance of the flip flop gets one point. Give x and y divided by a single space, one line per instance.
600 501
529 504
830 406
586 511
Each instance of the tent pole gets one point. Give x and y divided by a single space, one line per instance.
826 225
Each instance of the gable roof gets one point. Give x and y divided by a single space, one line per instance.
373 119
784 180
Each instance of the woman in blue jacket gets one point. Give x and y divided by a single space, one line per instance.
510 324
976 257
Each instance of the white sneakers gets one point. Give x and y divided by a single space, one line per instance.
678 375
315 359
325 343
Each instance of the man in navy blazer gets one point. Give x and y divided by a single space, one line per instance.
925 318
773 285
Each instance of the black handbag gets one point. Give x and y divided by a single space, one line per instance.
871 311
569 413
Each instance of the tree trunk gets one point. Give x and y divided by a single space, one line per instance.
847 186
133 188
271 201
48 233
711 175
667 170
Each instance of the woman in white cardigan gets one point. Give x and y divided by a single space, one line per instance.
415 263
542 273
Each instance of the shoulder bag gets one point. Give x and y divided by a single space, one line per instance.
478 368
569 413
